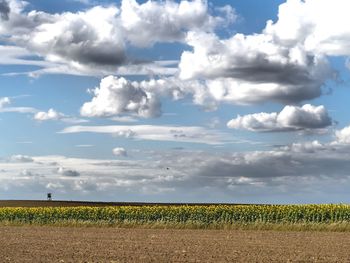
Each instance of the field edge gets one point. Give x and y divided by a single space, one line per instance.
318 227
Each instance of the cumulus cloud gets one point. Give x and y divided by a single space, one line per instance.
95 41
245 69
299 23
253 68
90 37
152 21
116 96
120 152
50 115
287 62
305 117
41 116
343 135
86 42
277 64
175 88
21 22
291 118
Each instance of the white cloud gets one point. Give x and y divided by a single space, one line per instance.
255 122
190 134
73 120
287 62
50 115
26 173
20 24
79 39
306 147
253 68
13 55
19 109
116 96
84 43
84 145
67 172
41 116
343 135
141 68
305 117
319 32
21 158
263 173
156 21
4 101
94 41
74 177
307 168
124 119
120 152
291 118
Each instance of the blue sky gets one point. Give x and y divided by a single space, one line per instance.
175 101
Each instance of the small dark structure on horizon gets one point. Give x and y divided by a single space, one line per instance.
49 196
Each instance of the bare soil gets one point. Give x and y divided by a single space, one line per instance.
104 244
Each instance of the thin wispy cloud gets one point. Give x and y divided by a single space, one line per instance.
190 134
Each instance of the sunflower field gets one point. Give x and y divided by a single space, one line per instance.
181 214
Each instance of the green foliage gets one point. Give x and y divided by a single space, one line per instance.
210 215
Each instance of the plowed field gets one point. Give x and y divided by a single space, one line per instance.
104 244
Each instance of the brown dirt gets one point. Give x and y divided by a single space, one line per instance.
90 244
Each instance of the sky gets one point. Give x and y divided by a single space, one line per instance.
175 101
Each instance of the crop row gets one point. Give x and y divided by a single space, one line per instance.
212 214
